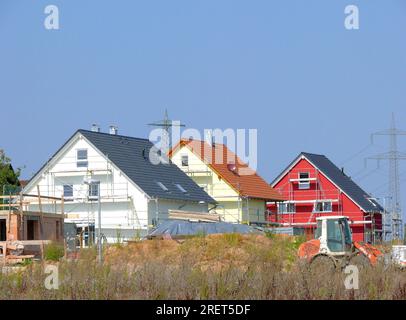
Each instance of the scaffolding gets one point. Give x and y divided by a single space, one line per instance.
19 219
81 207
315 196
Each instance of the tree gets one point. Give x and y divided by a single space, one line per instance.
8 176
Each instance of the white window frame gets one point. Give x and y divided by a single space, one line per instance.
67 198
182 156
287 207
304 185
82 163
323 206
90 193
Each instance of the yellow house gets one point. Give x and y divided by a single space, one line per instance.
240 192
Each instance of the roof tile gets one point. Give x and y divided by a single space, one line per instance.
232 169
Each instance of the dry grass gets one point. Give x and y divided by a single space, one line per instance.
214 267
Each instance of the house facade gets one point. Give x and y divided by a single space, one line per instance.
314 187
135 194
241 194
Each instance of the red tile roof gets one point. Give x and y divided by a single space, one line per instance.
231 169
23 183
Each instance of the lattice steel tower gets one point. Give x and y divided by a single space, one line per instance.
166 125
393 217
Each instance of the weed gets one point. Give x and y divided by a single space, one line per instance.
53 251
212 267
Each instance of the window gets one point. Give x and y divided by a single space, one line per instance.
181 189
94 190
304 183
162 186
317 233
335 241
185 160
68 192
286 208
81 158
325 206
347 232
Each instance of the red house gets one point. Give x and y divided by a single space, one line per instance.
314 187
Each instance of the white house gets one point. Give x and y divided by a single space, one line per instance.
135 194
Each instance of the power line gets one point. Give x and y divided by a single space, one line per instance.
385 184
355 154
366 175
393 156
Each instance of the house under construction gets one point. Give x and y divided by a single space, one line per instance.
315 187
18 223
114 174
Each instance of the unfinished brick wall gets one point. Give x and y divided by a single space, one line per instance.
13 228
52 228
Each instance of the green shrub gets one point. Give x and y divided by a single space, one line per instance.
53 251
26 262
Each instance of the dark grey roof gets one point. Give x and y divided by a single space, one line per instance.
345 183
188 228
127 153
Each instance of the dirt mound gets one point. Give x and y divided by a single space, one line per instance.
212 252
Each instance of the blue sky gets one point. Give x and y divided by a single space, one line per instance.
288 68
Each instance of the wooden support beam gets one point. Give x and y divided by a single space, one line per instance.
21 218
13 205
42 197
63 206
42 250
189 215
41 227
30 242
4 252
8 221
9 196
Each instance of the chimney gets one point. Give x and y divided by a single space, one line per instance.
113 130
95 128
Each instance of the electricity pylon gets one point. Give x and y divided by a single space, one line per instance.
166 124
393 214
